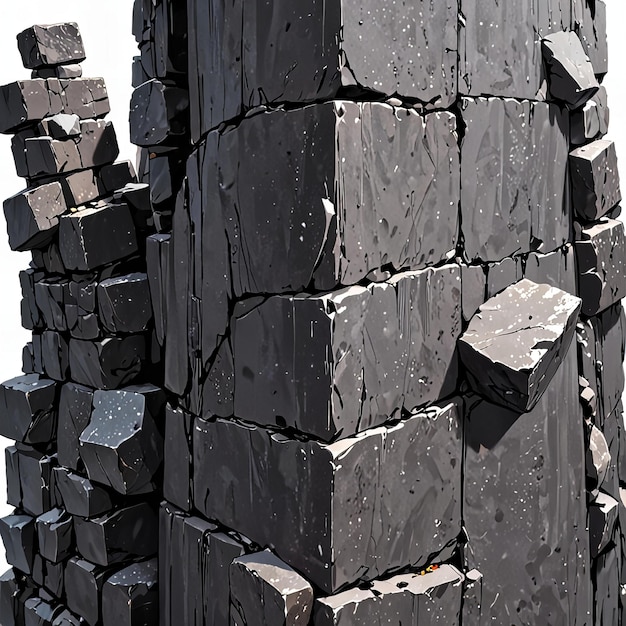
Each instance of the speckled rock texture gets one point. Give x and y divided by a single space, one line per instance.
348 349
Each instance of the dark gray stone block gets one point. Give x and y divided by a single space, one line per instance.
265 591
74 412
516 342
72 70
591 121
607 598
122 447
158 114
524 478
124 303
19 536
157 260
12 474
502 274
55 533
601 261
83 586
569 72
412 599
93 237
27 404
39 612
119 535
85 97
595 179
80 496
315 499
49 45
97 144
130 597
177 458
50 157
505 60
117 176
603 511
11 590
193 569
55 355
26 102
80 187
51 296
109 363
513 178
556 269
338 363
33 216
36 480
589 22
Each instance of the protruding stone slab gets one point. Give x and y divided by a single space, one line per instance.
595 179
122 447
117 536
265 591
131 596
315 499
93 237
28 409
427 598
36 480
601 265
339 363
571 77
50 45
516 342
33 216
40 612
513 178
55 533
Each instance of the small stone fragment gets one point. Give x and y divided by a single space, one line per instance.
62 126
515 343
603 513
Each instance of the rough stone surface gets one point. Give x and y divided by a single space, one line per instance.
337 389
601 263
595 179
513 178
513 492
265 591
516 342
316 493
55 44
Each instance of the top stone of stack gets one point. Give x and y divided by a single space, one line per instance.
43 46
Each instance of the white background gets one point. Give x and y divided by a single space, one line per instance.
106 30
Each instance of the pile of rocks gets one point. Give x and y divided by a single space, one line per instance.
85 416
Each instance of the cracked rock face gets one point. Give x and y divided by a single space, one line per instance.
516 342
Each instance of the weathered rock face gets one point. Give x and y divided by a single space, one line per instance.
327 331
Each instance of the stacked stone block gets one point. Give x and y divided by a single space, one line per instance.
86 415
